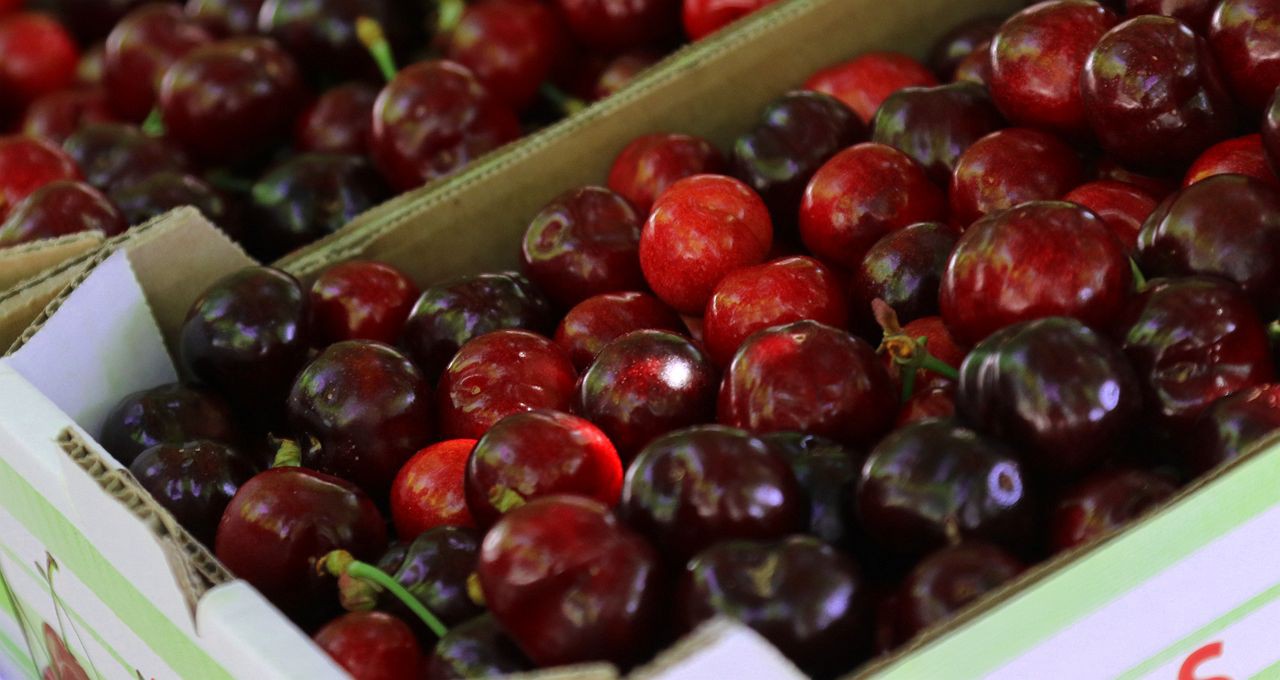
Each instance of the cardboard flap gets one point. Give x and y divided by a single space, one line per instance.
720 648
18 263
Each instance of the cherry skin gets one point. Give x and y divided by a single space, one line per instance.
904 268
607 26
645 384
115 155
935 402
282 521
60 208
37 56
1039 259
195 481
649 164
433 118
434 567
949 51
91 20
452 312
476 649
1159 186
782 291
583 243
321 34
140 49
825 470
947 581
938 341
371 646
510 45
704 17
1232 425
1246 42
936 125
429 491
1194 13
225 18
1162 63
338 121
256 84
163 191
90 68
360 300
1123 207
621 70
1227 225
28 163
1192 341
1010 167
700 230
976 68
570 583
934 482
1036 58
501 373
1239 156
809 377
800 594
1271 131
597 321
57 115
865 82
1104 503
167 414
700 485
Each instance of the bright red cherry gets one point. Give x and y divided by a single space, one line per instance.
1245 36
904 268
372 646
1239 156
649 164
510 45
430 490
57 115
704 17
941 345
700 230
60 208
338 121
1104 503
583 243
28 163
1009 167
358 300
225 18
935 402
1036 58
1123 207
597 321
936 125
947 581
140 49
1194 13
1232 426
613 26
866 81
37 56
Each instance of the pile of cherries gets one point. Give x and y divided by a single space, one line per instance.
903 341
281 120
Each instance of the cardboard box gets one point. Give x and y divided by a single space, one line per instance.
31 275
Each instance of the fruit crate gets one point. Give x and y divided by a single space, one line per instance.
32 274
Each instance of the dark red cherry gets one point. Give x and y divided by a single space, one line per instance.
60 208
1036 59
704 17
621 70
865 82
1194 13
934 482
904 268
1107 168
569 583
430 489
92 19
434 567
89 70
1228 226
935 402
1238 156
947 581
937 339
809 377
372 646
1232 425
166 190
1271 131
1163 64
28 163
611 26
510 45
452 312
338 121
321 34
194 481
225 17
115 155
1123 207
1104 503
282 521
645 384
649 164
976 68
583 243
140 49
802 595
826 470
360 300
1010 167
936 125
168 414
952 48
476 649
57 115
1245 36
37 56
1045 258
501 373
597 321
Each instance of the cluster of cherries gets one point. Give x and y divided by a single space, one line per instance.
268 115
1068 255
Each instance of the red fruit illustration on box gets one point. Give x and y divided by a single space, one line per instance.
63 664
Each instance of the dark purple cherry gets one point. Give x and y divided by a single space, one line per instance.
114 154
58 209
1271 131
936 125
434 567
194 481
225 17
475 649
139 51
338 121
904 268
1194 13
951 49
1245 36
322 33
1104 503
163 191
168 414
826 470
947 581
1232 425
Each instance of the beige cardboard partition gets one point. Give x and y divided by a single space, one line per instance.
32 275
19 263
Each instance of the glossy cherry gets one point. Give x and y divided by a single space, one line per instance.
608 26
225 17
194 480
166 190
1104 503
976 68
167 414
115 155
935 402
338 121
55 116
1232 425
28 163
597 321
1246 42
949 51
360 300
1271 131
476 649
649 164
583 243
140 49
1238 156
371 646
510 45
1010 167
947 581
37 56
904 268
1194 13
936 125
434 567
866 81
826 470
1159 186
1123 207
60 208
322 35
936 338
429 490
704 17
621 70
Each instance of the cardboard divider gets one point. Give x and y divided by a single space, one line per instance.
19 263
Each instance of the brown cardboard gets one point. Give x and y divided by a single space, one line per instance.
19 263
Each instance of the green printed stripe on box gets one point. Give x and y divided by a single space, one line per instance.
75 553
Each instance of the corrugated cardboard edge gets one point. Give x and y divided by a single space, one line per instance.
22 262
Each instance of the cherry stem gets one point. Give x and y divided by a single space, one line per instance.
1139 279
288 454
153 126
562 101
340 562
370 33
911 354
449 15
1273 331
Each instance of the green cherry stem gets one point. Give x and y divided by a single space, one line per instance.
562 101
288 454
910 354
1139 279
153 126
341 562
449 15
370 33
1273 331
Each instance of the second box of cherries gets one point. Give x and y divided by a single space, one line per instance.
920 328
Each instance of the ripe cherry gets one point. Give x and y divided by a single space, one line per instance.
866 81
606 26
1194 13
55 116
225 18
976 68
1271 131
1010 167
115 155
194 481
949 51
936 125
167 414
429 491
904 269
434 567
649 164
1104 503
947 581
826 470
60 208
37 56
510 45
338 121
597 321
704 17
1232 425
476 649
140 49
360 300
1245 39
323 36
583 243
1238 156
166 190
1123 207
935 402
371 646
28 163
620 71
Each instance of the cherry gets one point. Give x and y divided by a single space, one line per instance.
825 470
796 135
936 125
1271 131
452 312
246 337
700 230
1123 207
166 190
704 17
1194 13
37 56
610 26
621 70
91 67
597 321
863 193
1159 187
649 164
1104 503
778 292
309 196
645 384
256 85
949 51
1044 258
476 649
429 491
976 68
1036 59
1246 41
360 300
934 482
1227 225
338 121
28 163
434 568
1193 341
167 414
510 45
809 377
1160 62
935 402
225 18
947 581
433 118
799 593
904 268
1239 156
57 115
140 49
1009 167
570 584
944 357
501 373
1232 425
92 19
866 81
282 522
60 208
583 243
693 487
115 155
322 33
194 481
371 646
